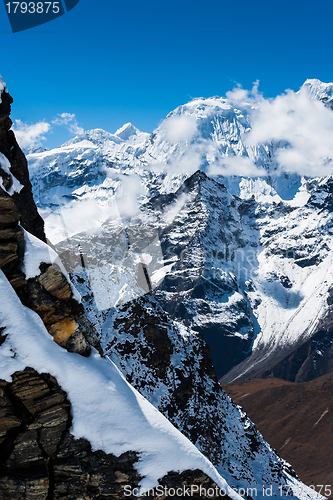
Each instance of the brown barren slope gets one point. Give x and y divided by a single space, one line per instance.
296 419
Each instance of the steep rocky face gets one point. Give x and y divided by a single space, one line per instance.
28 215
11 240
194 241
49 293
202 289
39 459
242 272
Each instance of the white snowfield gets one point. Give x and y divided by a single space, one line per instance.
5 165
106 410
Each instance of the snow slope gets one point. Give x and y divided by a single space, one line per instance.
106 410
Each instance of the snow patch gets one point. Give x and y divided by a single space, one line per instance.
2 88
36 252
16 185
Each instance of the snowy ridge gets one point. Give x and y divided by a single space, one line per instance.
106 410
182 387
319 90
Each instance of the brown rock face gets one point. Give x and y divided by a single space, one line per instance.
50 296
296 419
11 239
54 282
8 210
40 460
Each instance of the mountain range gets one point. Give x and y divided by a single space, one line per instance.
237 258
162 269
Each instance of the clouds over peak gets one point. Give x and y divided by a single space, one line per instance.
31 136
238 94
233 136
69 121
301 129
180 128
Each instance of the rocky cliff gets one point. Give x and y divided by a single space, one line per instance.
28 215
49 293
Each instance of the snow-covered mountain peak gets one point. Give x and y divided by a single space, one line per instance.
320 90
97 136
210 111
207 134
126 131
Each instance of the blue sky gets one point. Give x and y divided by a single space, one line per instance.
110 62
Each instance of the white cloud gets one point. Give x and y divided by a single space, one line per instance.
129 192
187 163
301 128
175 208
69 121
180 128
30 136
238 94
235 165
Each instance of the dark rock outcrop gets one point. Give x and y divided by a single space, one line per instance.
51 297
28 215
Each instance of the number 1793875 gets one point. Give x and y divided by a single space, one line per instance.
33 8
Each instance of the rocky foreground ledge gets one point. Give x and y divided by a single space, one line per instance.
40 459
